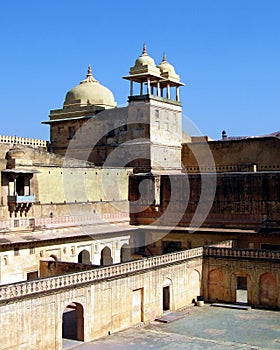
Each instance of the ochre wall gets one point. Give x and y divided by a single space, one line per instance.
64 184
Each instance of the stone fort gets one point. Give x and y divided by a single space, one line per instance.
122 215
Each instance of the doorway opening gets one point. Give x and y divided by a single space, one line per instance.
106 258
84 257
241 290
137 305
20 186
73 322
166 298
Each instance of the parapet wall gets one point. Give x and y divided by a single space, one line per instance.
252 154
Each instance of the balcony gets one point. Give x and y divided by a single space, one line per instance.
20 204
21 199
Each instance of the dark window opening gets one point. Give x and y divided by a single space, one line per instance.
20 186
242 283
170 247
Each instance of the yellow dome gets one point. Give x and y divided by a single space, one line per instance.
166 67
144 59
90 92
167 71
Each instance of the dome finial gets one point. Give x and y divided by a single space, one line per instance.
144 52
89 78
89 71
164 57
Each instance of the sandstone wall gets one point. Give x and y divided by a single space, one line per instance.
238 200
233 155
221 272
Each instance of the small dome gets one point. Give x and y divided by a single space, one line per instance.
90 92
166 67
167 71
144 59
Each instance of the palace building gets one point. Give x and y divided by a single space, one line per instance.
122 216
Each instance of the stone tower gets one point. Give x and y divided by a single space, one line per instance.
145 135
157 96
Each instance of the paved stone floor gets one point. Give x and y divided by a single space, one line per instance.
202 328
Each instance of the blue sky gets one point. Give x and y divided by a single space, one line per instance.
226 51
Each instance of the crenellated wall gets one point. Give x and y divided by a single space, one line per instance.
15 140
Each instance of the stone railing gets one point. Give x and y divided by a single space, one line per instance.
242 253
71 220
62 221
44 285
23 141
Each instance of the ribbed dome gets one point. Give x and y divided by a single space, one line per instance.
90 92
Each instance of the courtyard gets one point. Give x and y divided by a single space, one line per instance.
201 328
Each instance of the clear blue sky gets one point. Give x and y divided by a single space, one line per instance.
226 51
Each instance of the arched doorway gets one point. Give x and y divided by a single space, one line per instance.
106 258
73 322
166 295
125 253
84 257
